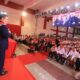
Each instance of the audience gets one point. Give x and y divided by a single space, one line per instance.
64 51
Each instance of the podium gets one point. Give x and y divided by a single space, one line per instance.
11 48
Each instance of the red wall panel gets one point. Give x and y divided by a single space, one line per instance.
15 28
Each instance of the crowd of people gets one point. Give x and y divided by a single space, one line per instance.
67 53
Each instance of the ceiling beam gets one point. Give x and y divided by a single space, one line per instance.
1 2
6 1
31 4
11 5
16 6
31 11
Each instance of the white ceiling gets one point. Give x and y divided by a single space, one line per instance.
43 4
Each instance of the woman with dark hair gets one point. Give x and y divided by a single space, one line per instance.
3 40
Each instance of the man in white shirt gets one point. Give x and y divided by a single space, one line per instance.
60 52
71 56
65 55
75 54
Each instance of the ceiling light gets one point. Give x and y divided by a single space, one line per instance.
76 4
5 13
24 13
67 7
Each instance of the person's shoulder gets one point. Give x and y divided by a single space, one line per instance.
2 27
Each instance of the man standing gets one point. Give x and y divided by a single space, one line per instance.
3 40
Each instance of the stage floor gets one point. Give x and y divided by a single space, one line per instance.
16 70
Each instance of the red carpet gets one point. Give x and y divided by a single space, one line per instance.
16 71
31 58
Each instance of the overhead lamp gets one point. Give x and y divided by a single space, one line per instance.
76 4
68 7
24 13
3 12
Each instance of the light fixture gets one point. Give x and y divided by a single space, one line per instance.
24 13
3 12
76 4
68 7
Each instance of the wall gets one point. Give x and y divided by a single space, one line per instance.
15 29
29 25
40 24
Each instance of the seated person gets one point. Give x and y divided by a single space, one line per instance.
52 52
60 53
77 63
71 56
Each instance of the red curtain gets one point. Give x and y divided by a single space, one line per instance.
15 28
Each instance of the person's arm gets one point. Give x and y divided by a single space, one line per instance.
4 32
